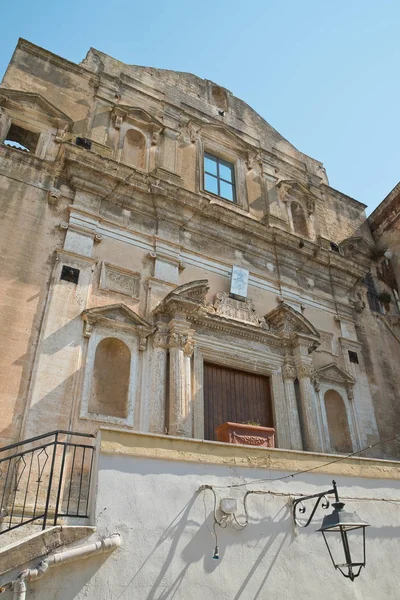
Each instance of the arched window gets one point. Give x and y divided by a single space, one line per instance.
134 149
299 219
110 386
338 425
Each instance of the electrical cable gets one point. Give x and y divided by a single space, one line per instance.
297 473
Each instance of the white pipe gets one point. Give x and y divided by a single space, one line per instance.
19 586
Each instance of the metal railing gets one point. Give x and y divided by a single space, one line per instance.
44 478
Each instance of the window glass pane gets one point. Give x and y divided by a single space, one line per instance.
226 190
225 172
210 165
211 183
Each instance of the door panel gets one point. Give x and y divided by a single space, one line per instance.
238 396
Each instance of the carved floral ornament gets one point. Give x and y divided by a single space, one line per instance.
282 327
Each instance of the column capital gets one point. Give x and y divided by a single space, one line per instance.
289 372
305 370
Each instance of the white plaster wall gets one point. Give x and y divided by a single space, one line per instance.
168 543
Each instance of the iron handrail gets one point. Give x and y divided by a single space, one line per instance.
43 436
36 481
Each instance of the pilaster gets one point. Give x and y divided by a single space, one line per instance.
289 375
181 346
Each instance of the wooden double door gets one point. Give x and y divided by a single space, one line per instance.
233 395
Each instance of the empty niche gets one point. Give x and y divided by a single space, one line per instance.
338 425
219 97
134 149
110 385
299 219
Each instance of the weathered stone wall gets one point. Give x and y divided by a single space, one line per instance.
136 233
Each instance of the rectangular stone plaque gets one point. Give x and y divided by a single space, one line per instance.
121 281
239 282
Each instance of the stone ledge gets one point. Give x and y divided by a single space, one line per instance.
164 447
40 544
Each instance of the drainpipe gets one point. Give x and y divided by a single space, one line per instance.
19 585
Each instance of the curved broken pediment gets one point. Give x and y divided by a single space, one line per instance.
285 319
187 297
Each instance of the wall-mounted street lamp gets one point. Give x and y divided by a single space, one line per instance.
342 523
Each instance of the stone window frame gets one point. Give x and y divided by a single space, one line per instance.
39 117
236 158
218 161
99 333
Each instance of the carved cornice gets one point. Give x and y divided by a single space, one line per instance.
282 328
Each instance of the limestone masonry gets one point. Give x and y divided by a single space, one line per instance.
132 199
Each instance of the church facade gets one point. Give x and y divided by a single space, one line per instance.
171 263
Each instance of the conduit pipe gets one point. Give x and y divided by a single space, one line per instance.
53 560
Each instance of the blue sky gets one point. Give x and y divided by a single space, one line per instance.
323 73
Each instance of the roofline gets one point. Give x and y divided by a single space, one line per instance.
384 204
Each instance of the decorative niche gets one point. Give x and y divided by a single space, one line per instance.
115 336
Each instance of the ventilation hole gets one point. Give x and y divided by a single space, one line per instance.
353 357
335 247
69 274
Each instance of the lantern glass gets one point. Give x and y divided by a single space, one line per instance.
344 535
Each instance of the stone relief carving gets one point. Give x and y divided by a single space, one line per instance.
182 341
326 342
238 310
289 372
305 371
121 281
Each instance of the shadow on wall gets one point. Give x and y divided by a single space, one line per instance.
201 547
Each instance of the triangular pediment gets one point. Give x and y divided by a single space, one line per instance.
118 315
221 133
136 114
285 319
290 186
332 372
32 101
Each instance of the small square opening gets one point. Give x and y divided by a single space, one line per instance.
353 357
69 274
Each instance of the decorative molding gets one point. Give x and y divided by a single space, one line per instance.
286 320
237 310
183 342
53 196
118 280
332 372
289 371
117 316
305 371
291 190
16 96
